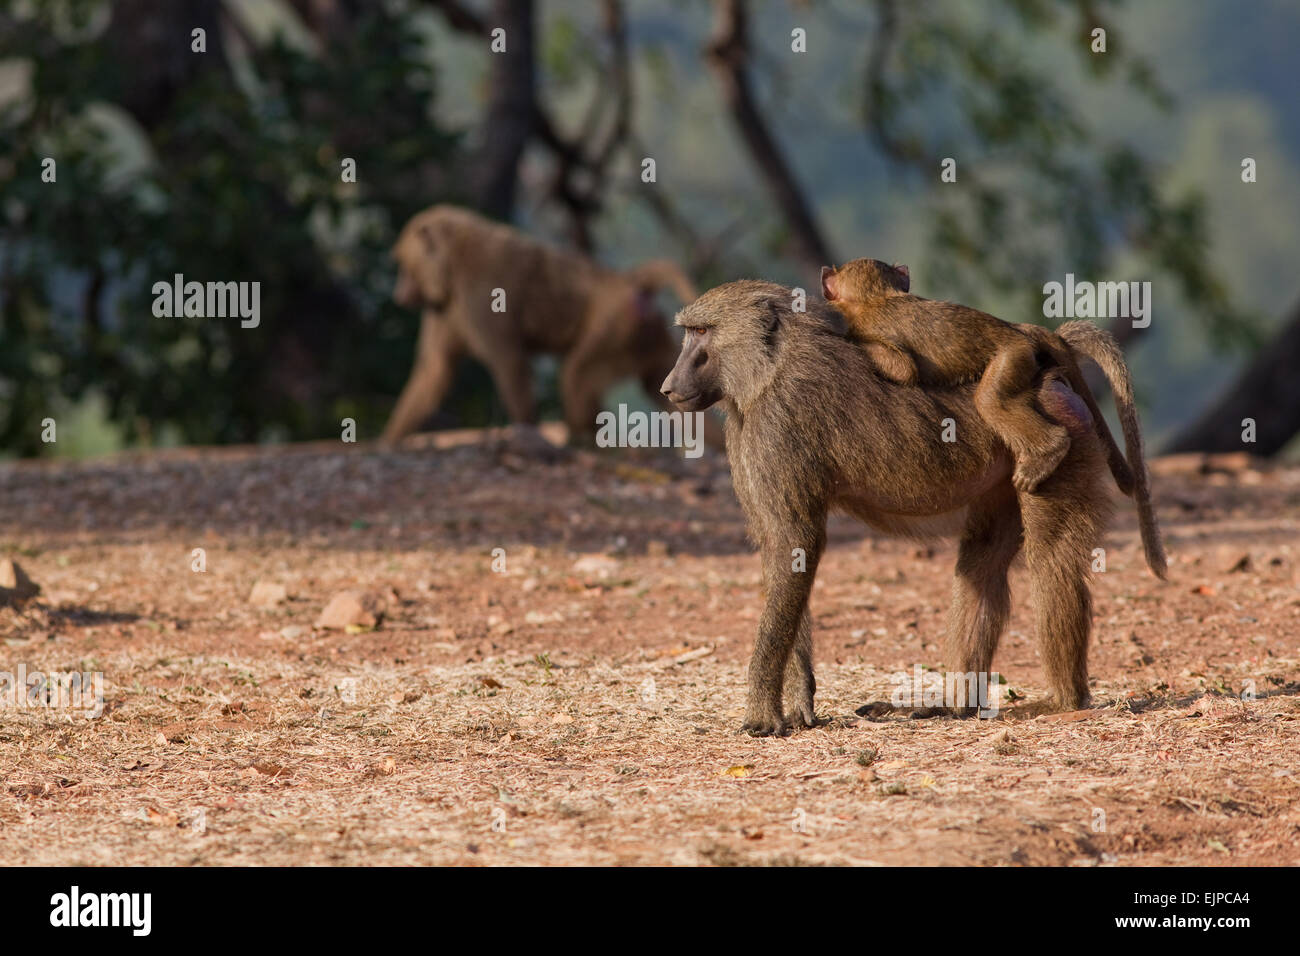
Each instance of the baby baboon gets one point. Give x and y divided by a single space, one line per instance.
811 426
940 343
490 291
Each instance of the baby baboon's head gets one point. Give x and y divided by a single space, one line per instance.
864 279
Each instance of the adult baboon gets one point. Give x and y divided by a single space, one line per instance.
811 425
490 291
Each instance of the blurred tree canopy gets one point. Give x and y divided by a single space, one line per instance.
238 178
230 170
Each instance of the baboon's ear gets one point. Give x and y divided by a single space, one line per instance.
907 276
828 286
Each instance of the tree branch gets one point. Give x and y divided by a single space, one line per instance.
728 56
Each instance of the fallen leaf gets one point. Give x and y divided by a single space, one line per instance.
162 819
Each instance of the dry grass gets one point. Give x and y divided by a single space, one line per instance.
549 715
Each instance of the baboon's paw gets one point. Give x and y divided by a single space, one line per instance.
765 726
1072 702
801 717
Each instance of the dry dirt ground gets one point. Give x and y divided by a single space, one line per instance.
583 705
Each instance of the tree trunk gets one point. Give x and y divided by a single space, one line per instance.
151 39
1268 391
512 108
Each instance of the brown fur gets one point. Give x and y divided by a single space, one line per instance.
913 339
601 321
811 425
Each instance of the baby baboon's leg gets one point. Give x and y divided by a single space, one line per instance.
981 597
785 614
800 685
1063 522
436 353
1006 399
893 363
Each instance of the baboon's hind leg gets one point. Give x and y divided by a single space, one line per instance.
1064 521
981 596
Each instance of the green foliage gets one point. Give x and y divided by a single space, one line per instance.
236 177
241 182
1040 191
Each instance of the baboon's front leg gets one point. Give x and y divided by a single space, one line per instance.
800 685
436 354
787 576
893 363
513 376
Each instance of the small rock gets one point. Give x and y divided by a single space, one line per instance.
292 631
268 594
596 565
352 609
1232 560
15 585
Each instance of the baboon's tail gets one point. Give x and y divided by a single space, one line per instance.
1100 346
657 273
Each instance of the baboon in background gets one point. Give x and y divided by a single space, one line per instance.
811 425
603 323
913 339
